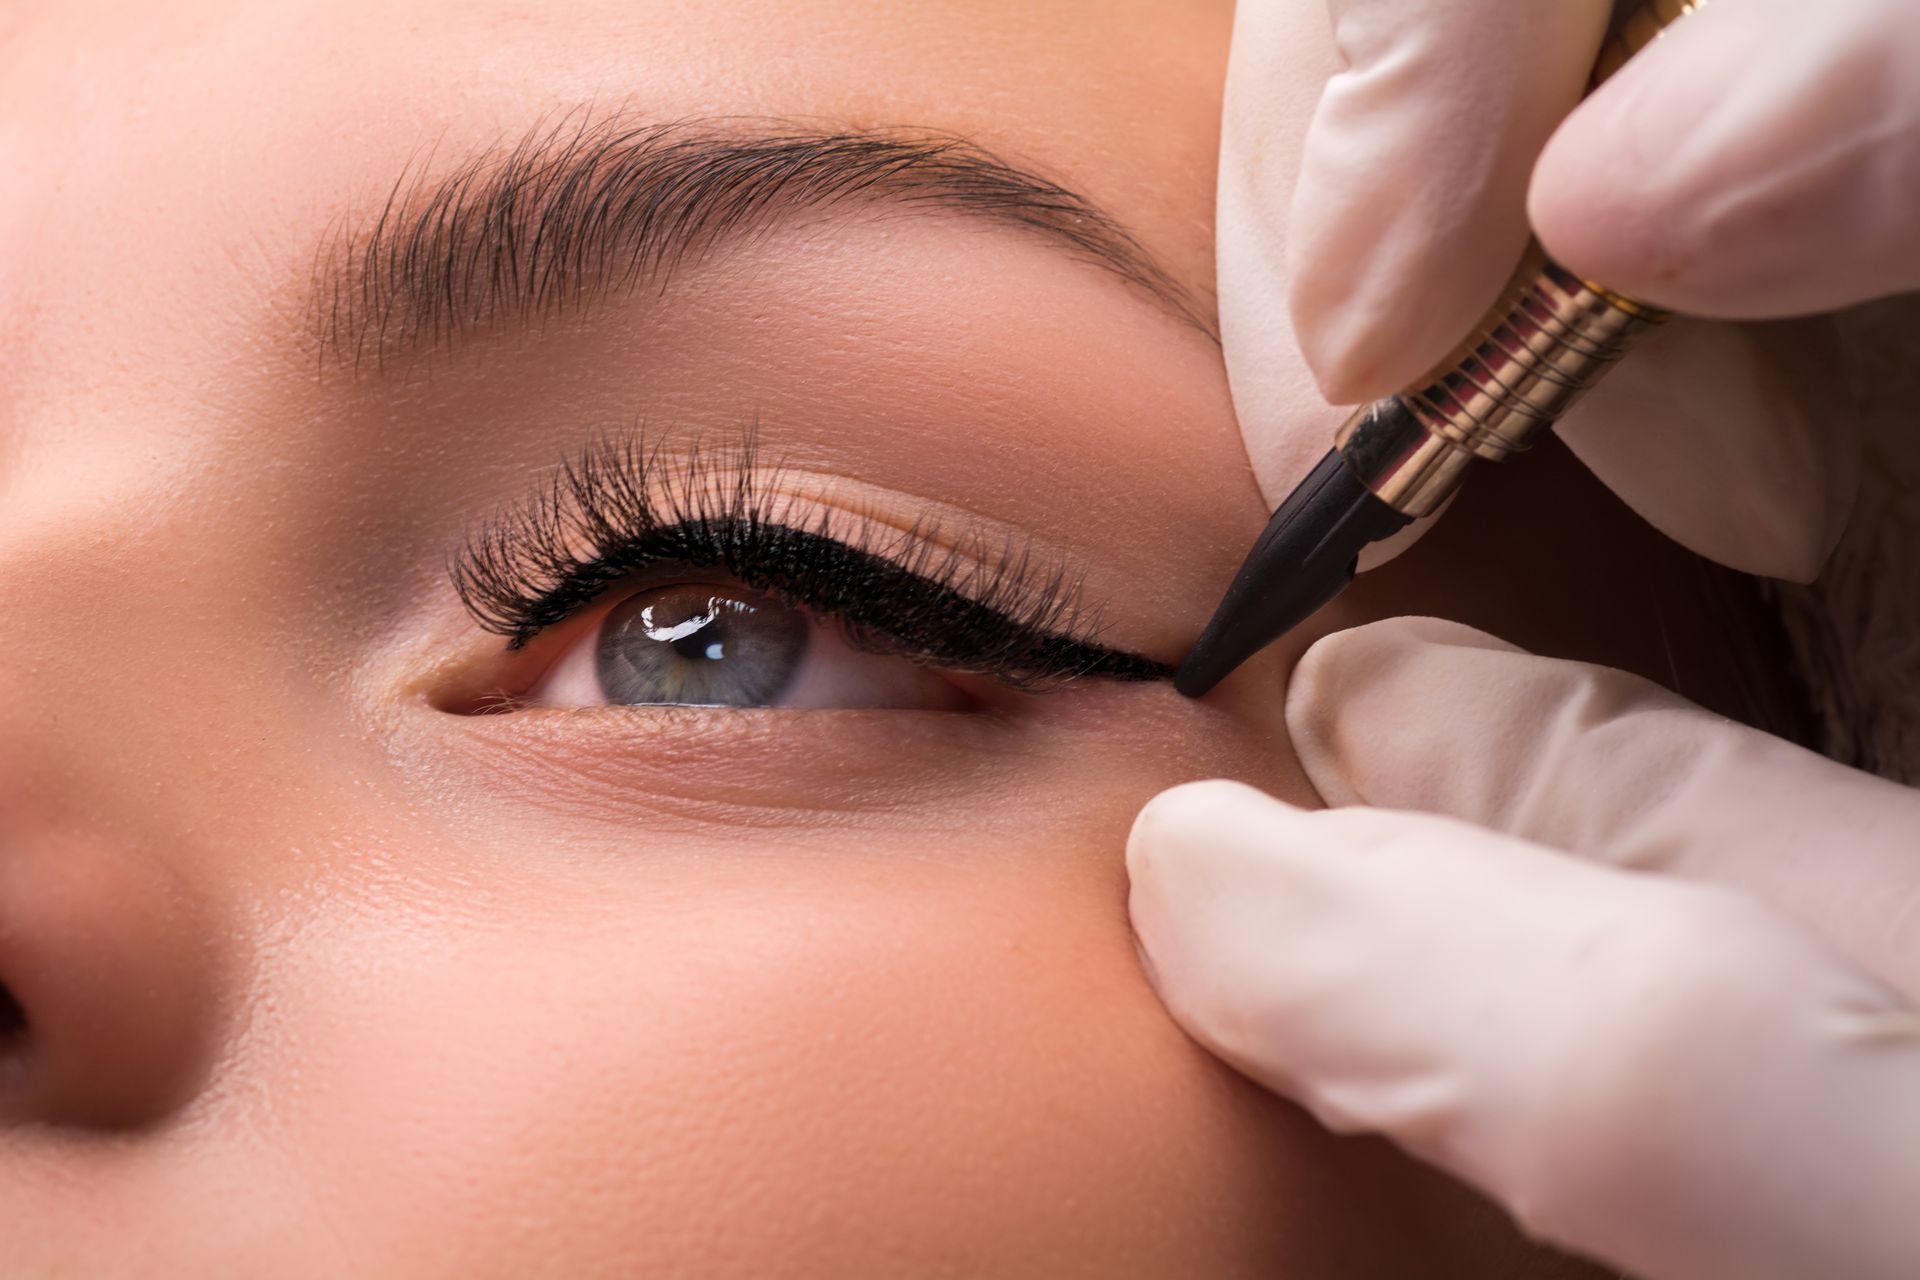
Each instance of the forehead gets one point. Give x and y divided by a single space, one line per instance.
177 166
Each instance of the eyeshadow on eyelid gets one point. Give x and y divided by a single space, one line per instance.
618 509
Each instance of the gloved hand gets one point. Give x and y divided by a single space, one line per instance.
1651 984
1755 161
1665 1015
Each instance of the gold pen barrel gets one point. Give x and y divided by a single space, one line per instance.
1548 337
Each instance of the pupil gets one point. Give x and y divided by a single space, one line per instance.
700 646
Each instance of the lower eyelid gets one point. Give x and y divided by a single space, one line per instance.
732 767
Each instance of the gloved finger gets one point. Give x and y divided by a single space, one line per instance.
1738 441
1419 713
1755 161
1409 212
1655 1072
1280 55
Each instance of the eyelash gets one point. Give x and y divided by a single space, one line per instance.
618 509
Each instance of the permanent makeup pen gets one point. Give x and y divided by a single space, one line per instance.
1548 337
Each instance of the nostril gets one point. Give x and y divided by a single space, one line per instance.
13 1021
111 996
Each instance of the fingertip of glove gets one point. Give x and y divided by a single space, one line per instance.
1375 305
1335 347
1776 548
1366 330
1731 440
1198 814
1377 648
1346 692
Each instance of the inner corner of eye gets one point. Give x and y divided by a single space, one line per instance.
719 644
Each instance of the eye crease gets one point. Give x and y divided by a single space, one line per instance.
618 512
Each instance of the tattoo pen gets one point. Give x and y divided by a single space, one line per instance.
1548 337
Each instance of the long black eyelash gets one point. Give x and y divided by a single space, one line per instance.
617 509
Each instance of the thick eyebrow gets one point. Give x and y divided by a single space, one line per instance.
582 211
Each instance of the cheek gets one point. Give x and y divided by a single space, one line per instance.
880 1057
881 1054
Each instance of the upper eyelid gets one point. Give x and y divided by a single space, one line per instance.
615 490
616 508
976 634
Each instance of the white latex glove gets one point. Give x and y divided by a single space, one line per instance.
1756 161
1651 987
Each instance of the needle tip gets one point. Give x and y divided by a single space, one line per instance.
1304 558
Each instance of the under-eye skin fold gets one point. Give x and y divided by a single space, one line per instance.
619 510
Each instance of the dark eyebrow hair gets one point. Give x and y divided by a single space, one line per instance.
582 210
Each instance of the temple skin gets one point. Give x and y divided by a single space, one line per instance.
321 978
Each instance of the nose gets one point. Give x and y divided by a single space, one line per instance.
107 978
114 931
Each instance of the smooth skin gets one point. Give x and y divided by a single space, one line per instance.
320 977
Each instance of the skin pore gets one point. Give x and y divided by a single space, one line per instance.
323 977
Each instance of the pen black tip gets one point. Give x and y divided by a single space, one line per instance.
1304 558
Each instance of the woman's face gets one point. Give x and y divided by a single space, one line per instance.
322 974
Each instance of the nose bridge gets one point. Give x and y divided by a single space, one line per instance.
117 944
105 693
